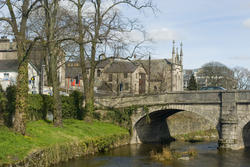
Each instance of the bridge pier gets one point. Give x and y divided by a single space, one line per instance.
228 122
228 137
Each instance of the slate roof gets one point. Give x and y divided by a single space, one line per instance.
121 66
72 72
9 65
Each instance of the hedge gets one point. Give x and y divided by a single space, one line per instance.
40 105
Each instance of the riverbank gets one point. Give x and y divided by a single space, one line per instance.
198 136
45 144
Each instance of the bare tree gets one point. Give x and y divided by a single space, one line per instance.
242 77
17 18
99 30
55 32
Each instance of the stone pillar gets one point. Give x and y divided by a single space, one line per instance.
134 118
228 137
228 121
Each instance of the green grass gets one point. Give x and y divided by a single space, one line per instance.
40 134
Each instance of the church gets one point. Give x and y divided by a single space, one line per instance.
123 77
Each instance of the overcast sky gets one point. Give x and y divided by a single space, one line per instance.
211 30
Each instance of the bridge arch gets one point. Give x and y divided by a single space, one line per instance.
243 132
156 129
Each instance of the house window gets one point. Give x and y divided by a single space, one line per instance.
110 77
121 87
125 75
126 86
98 73
6 75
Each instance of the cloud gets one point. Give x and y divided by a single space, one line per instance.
155 35
246 23
163 34
239 58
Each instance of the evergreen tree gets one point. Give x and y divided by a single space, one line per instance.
192 85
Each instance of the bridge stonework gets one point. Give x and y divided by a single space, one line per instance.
228 112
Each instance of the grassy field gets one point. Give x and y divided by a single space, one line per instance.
40 134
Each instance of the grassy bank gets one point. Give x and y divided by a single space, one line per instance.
41 135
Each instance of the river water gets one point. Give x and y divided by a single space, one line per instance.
138 156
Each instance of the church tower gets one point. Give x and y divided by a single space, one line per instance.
181 55
177 56
173 67
181 64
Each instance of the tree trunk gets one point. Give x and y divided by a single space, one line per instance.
21 94
51 9
89 100
56 96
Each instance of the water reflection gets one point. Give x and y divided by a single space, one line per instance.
138 156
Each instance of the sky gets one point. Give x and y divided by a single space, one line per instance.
211 30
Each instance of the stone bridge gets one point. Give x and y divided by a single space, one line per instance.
228 112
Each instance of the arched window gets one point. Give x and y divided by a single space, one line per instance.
98 73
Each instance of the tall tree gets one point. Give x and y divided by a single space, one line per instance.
17 18
217 74
51 12
192 85
98 27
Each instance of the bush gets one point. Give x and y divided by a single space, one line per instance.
121 116
35 107
3 101
39 105
68 107
10 105
78 103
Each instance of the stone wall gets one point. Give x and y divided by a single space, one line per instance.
187 122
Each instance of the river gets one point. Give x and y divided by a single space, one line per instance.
138 156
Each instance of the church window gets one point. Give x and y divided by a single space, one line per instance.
110 77
98 73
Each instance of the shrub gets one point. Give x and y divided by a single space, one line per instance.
39 105
121 116
78 103
68 107
10 105
35 107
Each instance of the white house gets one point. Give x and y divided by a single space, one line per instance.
9 72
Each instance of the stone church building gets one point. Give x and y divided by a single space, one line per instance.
120 77
165 75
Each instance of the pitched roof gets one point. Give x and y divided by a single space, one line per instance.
156 68
72 72
9 65
121 66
